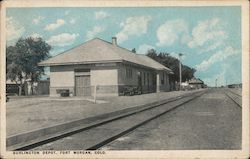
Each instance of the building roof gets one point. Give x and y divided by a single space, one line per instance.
100 51
195 81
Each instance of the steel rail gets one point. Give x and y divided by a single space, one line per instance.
233 100
110 139
234 93
52 139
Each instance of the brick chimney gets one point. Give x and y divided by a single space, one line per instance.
114 41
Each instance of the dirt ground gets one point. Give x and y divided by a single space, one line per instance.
28 114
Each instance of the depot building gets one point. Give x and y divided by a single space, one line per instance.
106 68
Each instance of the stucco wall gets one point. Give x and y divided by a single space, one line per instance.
104 77
61 77
58 79
107 81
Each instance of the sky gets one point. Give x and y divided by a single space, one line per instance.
209 37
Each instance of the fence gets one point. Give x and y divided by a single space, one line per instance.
13 89
38 88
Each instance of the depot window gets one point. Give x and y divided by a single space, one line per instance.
162 78
129 73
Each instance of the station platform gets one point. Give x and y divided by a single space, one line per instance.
26 114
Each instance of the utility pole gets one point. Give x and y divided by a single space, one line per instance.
216 82
180 54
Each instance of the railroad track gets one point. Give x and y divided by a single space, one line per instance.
97 135
234 93
236 98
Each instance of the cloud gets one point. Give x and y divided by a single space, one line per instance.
66 12
133 26
220 77
35 35
208 31
172 31
37 20
57 24
211 47
72 21
144 48
217 57
101 15
92 33
62 39
14 29
226 75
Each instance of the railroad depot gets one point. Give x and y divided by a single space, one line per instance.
196 83
105 67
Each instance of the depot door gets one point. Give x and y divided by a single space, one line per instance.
82 84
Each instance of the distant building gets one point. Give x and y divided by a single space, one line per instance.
111 68
184 85
40 87
235 85
195 83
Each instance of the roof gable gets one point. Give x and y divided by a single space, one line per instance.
98 50
93 50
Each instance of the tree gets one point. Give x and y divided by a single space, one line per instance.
172 63
152 53
133 50
187 72
22 60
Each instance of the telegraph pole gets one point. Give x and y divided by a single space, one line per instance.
180 54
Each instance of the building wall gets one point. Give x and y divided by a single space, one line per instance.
147 83
63 77
104 77
123 80
106 81
109 79
164 84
